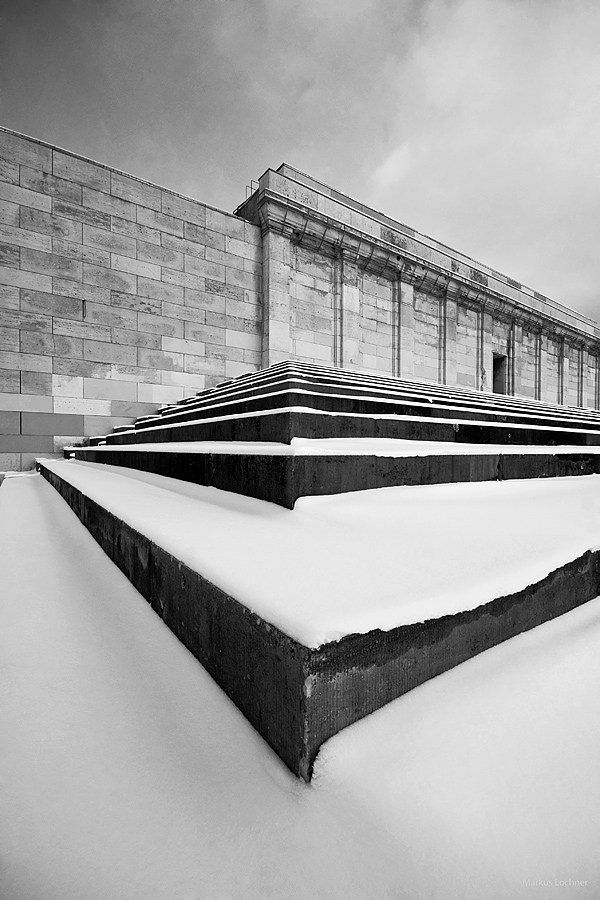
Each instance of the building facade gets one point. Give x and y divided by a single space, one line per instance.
117 296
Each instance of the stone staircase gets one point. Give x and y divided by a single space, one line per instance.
252 436
297 430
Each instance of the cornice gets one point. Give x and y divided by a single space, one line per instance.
314 230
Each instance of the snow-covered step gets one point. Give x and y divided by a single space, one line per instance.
312 618
281 473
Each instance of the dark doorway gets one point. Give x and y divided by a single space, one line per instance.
499 363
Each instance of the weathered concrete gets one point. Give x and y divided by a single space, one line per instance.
296 697
283 479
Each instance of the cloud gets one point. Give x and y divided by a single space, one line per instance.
499 101
475 121
391 171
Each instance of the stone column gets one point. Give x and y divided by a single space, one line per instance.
407 330
515 361
543 363
485 373
276 337
338 280
396 335
538 366
448 340
351 356
563 373
581 379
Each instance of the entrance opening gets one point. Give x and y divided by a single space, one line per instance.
499 363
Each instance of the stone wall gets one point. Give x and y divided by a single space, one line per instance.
115 296
347 286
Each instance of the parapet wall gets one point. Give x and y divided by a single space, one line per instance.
115 296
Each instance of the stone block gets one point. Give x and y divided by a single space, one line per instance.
160 290
131 410
28 280
160 221
9 255
160 325
84 329
35 342
161 256
25 443
84 172
10 234
75 407
12 193
133 301
77 251
224 223
182 245
9 337
159 393
109 279
229 291
15 401
108 389
204 267
135 191
243 339
241 279
80 291
160 359
25 321
67 386
233 369
60 441
109 240
101 425
96 351
183 208
48 184
204 365
26 361
87 216
101 314
185 313
134 266
186 380
10 422
51 305
184 279
177 345
136 338
25 150
204 236
9 213
37 383
10 462
50 423
50 264
204 333
135 230
9 172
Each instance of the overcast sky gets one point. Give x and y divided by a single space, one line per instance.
474 121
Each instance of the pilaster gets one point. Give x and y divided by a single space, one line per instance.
276 336
351 314
407 329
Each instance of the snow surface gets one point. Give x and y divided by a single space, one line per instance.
350 563
126 774
344 447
